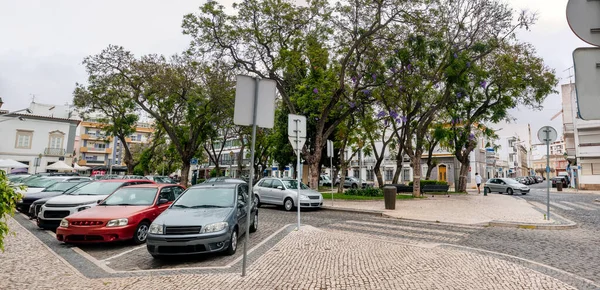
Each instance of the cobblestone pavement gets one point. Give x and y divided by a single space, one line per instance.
308 259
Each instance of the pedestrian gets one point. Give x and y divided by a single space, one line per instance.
478 181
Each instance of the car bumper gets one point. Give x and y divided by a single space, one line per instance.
47 224
177 245
23 206
58 213
86 234
524 190
311 204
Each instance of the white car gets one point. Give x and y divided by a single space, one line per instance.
87 196
39 184
284 191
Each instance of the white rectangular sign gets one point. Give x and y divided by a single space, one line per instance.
245 89
301 120
587 78
329 148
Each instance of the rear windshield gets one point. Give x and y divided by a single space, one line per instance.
97 188
41 182
206 197
61 186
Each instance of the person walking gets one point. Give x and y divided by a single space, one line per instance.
478 181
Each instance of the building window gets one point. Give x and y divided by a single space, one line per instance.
405 174
389 174
24 139
595 168
370 174
56 139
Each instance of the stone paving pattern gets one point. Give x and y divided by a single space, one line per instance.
308 259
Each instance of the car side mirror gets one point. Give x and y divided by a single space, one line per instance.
280 187
99 201
162 201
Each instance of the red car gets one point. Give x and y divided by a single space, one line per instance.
126 214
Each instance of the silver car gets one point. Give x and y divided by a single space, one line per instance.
507 185
284 192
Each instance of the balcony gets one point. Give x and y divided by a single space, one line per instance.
95 137
94 162
54 152
95 150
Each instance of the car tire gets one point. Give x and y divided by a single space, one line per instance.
486 190
232 246
354 186
257 200
254 225
523 193
288 204
141 233
509 191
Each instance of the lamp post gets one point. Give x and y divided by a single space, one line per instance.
231 154
163 165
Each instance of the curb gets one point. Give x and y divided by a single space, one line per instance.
569 226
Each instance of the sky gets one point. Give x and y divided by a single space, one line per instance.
42 44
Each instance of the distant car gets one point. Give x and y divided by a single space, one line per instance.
205 218
284 192
36 206
539 179
502 185
324 180
219 178
352 182
160 179
126 214
53 190
88 196
560 179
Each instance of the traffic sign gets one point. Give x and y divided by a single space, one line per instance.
301 128
329 148
583 17
194 161
247 96
587 77
297 146
547 135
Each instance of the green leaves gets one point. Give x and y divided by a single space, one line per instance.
8 202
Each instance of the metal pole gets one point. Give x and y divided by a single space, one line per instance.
250 185
298 167
332 178
548 173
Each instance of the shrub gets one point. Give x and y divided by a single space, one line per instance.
365 192
430 182
8 202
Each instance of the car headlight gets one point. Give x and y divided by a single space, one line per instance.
64 223
156 229
83 208
216 227
117 223
303 197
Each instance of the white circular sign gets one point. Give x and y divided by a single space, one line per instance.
547 134
583 17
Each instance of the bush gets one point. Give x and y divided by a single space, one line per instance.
365 192
429 182
9 196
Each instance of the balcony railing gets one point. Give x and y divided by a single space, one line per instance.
95 161
54 152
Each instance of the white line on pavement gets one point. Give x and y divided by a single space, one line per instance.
123 253
409 228
577 205
556 204
349 227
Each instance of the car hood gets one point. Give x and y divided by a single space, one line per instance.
193 216
69 199
42 194
103 212
31 190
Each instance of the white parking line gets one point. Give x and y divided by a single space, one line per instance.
581 206
123 253
555 204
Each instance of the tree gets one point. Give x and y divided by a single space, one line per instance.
436 135
9 196
108 93
278 40
510 76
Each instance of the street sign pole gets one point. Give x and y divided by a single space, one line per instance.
298 166
548 173
297 137
330 153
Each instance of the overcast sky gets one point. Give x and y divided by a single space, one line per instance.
43 42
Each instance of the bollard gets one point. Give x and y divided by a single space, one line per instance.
389 196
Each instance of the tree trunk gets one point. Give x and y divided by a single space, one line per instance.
343 166
185 171
464 171
416 161
429 170
380 181
314 164
398 167
240 158
127 158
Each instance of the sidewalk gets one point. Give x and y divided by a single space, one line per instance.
469 209
305 259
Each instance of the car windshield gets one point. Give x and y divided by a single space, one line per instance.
511 181
41 182
293 184
60 186
97 188
206 197
131 196
325 177
163 179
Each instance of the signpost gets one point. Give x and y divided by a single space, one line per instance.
547 135
330 155
297 136
582 17
259 96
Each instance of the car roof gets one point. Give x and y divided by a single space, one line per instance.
217 184
123 180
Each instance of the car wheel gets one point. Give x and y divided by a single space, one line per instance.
486 190
257 200
232 243
354 185
254 225
288 204
509 191
141 233
523 193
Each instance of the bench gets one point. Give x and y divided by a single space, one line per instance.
402 188
435 188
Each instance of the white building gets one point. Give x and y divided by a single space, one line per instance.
582 141
515 148
28 137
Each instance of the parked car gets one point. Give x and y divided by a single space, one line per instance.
559 179
205 218
88 196
53 190
284 192
539 179
522 180
126 214
503 185
324 180
36 206
160 179
352 182
220 178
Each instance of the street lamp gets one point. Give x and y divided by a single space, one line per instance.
231 154
163 165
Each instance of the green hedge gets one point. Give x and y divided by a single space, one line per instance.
430 182
364 192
